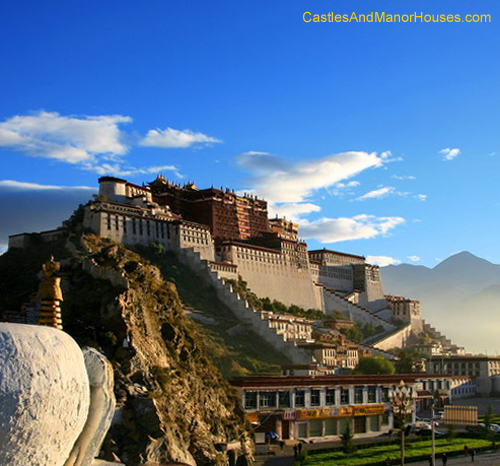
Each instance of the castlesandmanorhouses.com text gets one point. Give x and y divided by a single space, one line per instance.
376 17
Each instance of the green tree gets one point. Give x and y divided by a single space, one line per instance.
374 365
488 433
409 361
353 333
368 330
347 440
452 432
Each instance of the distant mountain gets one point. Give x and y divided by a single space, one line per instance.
460 297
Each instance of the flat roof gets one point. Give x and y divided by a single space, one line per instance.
337 252
290 381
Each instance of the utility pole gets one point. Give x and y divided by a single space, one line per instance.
433 433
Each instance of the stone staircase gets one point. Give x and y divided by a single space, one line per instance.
436 335
395 339
355 311
242 311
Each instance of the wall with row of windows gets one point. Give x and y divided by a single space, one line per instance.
313 397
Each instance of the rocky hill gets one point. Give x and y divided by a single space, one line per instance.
174 405
461 296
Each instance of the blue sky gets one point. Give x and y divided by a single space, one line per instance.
380 139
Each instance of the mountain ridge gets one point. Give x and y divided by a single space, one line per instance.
463 289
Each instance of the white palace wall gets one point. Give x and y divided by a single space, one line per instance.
271 274
132 225
336 277
395 340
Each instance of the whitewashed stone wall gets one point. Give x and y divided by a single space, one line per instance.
397 339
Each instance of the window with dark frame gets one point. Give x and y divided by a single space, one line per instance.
315 397
358 395
344 396
300 398
330 396
267 399
250 400
284 399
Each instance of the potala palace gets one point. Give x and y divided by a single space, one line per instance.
224 236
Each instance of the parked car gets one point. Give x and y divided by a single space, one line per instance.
421 424
481 427
495 428
425 420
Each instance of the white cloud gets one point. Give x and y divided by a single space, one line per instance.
287 186
382 261
350 184
24 186
377 193
414 258
280 180
389 190
343 189
70 139
404 177
333 230
449 154
387 156
118 170
3 248
174 138
92 143
293 211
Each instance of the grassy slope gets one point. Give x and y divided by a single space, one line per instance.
235 349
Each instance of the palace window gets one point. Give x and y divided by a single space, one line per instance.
299 398
330 396
315 397
284 399
250 400
358 395
267 399
372 394
344 396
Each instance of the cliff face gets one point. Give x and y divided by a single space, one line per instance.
174 405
